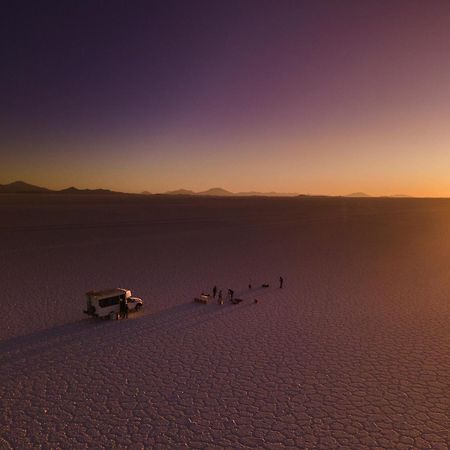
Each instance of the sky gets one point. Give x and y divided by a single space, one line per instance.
314 97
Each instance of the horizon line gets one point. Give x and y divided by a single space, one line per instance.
205 193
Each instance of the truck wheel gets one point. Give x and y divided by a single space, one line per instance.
138 307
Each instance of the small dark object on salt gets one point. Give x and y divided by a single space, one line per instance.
265 285
236 301
255 301
204 298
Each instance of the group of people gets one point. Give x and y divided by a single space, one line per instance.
230 294
220 294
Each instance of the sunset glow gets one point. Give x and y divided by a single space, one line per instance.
306 97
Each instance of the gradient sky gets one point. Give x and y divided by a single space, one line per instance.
324 97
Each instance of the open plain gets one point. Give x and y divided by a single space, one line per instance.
353 352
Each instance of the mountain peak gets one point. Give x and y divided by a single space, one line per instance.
21 187
180 192
216 191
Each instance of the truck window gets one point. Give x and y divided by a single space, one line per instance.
111 301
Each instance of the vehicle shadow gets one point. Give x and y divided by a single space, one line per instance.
19 346
180 316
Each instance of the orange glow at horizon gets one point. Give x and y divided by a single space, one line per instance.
294 97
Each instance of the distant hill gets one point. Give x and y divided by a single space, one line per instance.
180 192
146 193
358 194
21 187
216 192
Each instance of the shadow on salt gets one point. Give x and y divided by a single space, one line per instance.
91 331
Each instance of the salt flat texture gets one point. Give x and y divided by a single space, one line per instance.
352 353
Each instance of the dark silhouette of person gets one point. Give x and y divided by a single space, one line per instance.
281 282
123 308
250 285
231 293
214 291
219 298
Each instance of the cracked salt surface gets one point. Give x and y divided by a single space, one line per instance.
352 353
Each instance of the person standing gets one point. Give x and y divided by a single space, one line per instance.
231 294
219 298
123 308
214 291
281 282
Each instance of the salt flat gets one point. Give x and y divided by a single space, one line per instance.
354 351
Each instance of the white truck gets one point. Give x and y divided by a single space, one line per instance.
110 303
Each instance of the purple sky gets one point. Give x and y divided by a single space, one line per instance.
319 97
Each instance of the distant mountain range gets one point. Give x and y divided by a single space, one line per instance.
220 192
20 187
